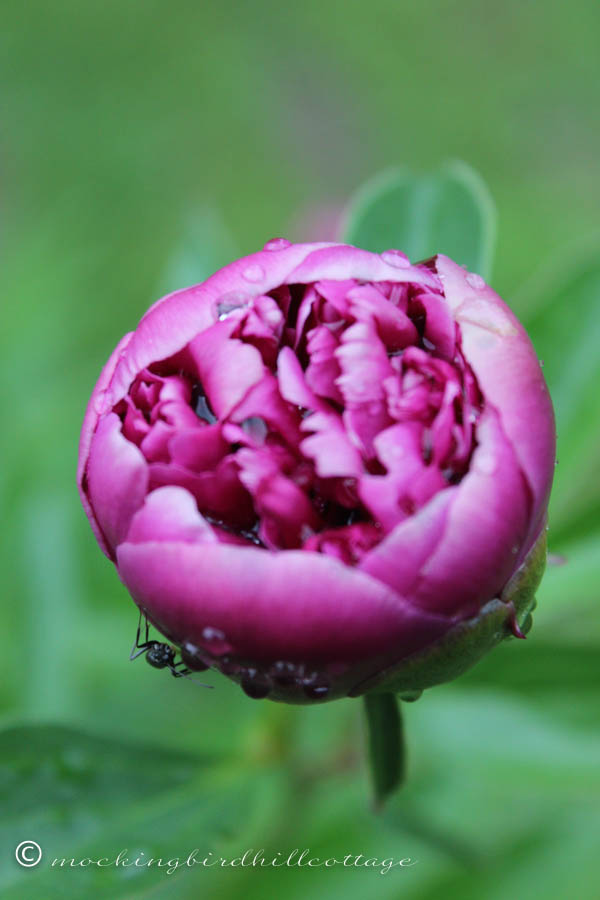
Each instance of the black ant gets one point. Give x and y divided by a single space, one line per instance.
159 655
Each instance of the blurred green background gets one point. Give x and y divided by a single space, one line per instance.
144 144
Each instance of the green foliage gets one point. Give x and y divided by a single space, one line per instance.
449 211
84 797
563 304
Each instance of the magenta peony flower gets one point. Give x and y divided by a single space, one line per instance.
325 471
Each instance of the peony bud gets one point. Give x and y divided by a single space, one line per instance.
325 471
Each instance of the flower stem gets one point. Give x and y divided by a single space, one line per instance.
385 744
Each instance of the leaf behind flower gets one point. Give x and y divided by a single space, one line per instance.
447 211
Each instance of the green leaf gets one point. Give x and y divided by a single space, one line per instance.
568 596
449 211
564 324
85 797
386 744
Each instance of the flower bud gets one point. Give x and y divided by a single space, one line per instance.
325 471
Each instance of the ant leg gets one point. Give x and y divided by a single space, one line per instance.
141 648
181 673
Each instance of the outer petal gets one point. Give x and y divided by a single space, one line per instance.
338 262
177 318
95 406
508 371
486 529
117 481
460 550
335 613
398 559
170 513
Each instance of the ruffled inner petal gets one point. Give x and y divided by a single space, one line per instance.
320 417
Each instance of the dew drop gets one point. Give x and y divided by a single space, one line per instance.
396 258
216 640
541 362
190 655
514 549
229 666
103 402
412 697
277 244
256 428
201 406
228 303
476 281
284 673
255 684
253 273
316 691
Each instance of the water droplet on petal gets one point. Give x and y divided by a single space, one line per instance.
412 697
277 244
514 549
255 684
476 281
284 673
201 406
316 687
228 303
103 402
216 640
396 258
253 272
541 362
229 666
190 655
256 428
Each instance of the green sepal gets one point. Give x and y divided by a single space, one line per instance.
465 644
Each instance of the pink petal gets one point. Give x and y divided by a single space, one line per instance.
218 492
398 559
199 448
263 400
323 368
117 480
440 327
506 366
330 448
393 326
98 401
335 613
227 368
169 514
486 528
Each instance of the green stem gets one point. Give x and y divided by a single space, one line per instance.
386 745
